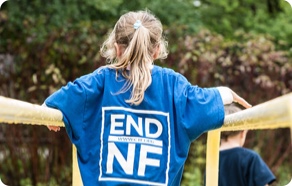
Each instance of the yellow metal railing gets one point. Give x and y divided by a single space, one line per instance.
276 113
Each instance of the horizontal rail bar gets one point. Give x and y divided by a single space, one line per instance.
276 113
19 112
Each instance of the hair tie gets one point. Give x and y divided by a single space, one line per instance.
137 24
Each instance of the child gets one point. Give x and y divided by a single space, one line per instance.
240 166
132 122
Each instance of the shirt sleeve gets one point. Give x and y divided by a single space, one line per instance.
226 95
200 109
261 174
70 100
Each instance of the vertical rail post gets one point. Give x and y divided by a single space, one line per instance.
290 112
212 158
76 177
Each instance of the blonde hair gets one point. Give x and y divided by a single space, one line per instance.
138 47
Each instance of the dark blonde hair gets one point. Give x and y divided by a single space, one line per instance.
230 109
139 46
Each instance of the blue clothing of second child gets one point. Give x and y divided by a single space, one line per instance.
243 167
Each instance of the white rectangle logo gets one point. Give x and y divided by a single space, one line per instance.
135 146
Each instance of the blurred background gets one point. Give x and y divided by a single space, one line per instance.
243 44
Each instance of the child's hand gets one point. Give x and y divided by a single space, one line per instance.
54 128
240 100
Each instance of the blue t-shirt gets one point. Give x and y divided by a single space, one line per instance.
123 144
243 167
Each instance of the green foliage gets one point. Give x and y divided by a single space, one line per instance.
26 182
38 19
254 63
284 175
180 14
195 164
262 17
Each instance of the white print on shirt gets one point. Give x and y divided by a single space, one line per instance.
135 146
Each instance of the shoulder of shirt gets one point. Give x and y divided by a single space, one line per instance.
88 78
165 71
103 69
250 151
99 71
245 152
241 150
245 155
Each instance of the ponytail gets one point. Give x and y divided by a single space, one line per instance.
140 35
